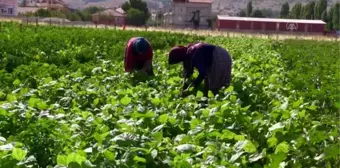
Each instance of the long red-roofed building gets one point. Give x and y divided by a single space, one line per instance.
270 25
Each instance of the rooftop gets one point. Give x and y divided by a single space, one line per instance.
27 9
120 10
194 1
222 17
110 12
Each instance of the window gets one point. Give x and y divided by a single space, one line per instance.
10 10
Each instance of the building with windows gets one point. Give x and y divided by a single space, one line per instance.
185 11
110 16
8 7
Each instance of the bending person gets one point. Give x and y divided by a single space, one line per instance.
212 62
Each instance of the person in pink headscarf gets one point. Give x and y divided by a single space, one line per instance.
212 62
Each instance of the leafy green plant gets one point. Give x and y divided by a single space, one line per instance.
68 103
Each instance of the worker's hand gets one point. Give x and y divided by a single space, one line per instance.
184 93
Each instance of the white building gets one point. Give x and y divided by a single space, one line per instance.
8 7
182 12
30 3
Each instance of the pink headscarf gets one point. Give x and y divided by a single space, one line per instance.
178 54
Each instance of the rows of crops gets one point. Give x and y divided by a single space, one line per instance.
66 102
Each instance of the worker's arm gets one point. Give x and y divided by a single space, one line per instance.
148 56
199 62
188 71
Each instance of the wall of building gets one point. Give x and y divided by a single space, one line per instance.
8 7
109 20
183 12
268 26
30 3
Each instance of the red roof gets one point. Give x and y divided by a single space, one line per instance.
194 1
200 1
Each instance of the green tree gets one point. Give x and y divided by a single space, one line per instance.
58 14
93 9
73 16
330 18
336 16
242 13
135 17
309 10
137 4
267 13
284 13
317 14
324 16
126 6
296 11
249 8
257 13
302 12
43 13
86 14
322 6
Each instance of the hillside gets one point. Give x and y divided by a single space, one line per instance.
230 7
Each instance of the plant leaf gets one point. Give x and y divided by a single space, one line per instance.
125 100
62 160
282 147
19 154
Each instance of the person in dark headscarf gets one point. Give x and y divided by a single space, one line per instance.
212 62
138 56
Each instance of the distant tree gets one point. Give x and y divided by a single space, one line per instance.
296 11
249 8
330 18
242 13
137 4
267 13
82 15
317 14
309 10
322 6
73 17
136 17
43 13
257 13
284 13
336 17
126 6
302 12
324 16
57 14
93 9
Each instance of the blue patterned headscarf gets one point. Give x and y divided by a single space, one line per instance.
141 45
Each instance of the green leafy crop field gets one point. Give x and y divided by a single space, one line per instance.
65 101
